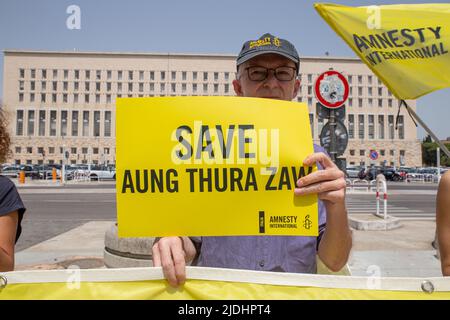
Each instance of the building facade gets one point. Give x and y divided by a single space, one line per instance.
63 103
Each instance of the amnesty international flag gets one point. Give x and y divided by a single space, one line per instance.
406 46
204 166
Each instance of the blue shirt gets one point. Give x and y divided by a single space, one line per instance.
263 253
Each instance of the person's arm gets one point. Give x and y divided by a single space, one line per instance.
8 229
172 254
329 184
443 222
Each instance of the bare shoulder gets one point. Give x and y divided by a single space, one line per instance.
445 181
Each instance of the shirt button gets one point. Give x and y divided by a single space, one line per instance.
261 263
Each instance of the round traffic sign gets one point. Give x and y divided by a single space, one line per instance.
331 89
373 155
341 134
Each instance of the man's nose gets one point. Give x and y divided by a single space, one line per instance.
271 80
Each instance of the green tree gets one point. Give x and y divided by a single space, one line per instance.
429 153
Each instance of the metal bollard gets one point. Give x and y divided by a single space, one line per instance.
22 176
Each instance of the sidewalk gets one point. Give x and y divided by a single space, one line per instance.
402 252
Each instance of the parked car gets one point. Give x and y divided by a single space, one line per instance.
11 171
100 172
352 172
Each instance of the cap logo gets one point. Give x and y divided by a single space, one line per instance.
276 42
262 42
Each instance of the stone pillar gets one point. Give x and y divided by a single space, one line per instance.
126 252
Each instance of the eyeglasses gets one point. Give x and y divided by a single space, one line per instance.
257 73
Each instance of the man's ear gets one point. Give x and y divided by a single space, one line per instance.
296 88
238 88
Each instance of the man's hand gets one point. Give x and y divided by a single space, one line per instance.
172 253
328 183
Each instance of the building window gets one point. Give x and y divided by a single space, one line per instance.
391 126
86 98
76 86
380 126
54 97
55 86
43 85
119 75
362 152
84 150
63 128
31 97
380 91
360 91
227 76
19 123
141 87
352 152
119 87
97 98
360 102
20 97
194 75
382 152
53 123
32 86
380 103
369 91
351 126
21 73
216 76
130 75
107 124
174 75
108 98
370 102
97 86
30 131
87 86
74 123
66 74
21 85
152 87
108 74
163 75
77 74
309 90
359 79
361 126
163 87
194 87
18 150
73 150
183 87
350 102
369 79
216 88
51 150
65 97
311 124
96 123
350 79
205 76
173 87
85 123
130 86
75 98
390 103
33 73
152 75
87 74
309 78
29 149
227 88
310 102
205 88
371 126
41 128
55 73
95 150
401 128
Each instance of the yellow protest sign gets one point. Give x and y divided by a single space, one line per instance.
212 166
406 46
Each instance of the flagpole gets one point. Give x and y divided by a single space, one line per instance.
414 114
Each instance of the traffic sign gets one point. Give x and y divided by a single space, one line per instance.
331 89
341 134
324 112
373 155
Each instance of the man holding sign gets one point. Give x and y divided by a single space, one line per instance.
268 68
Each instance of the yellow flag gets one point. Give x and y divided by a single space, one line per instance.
406 46
204 166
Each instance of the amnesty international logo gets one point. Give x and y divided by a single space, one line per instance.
276 42
307 223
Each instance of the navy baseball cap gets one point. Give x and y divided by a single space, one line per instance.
268 43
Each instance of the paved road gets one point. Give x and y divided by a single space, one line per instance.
54 210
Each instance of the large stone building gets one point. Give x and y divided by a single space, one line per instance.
64 102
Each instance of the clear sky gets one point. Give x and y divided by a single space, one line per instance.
194 26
